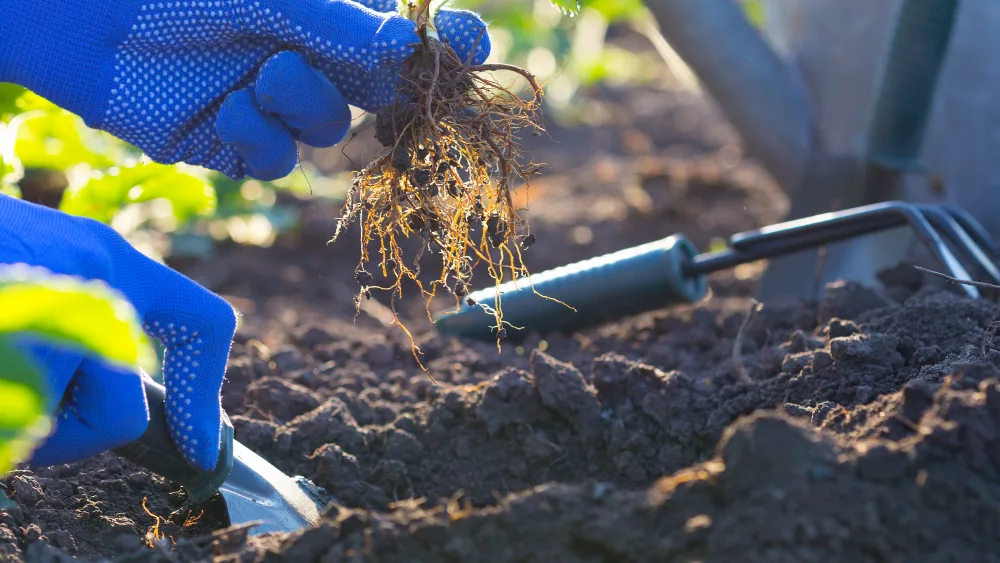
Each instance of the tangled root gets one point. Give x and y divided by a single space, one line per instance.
449 161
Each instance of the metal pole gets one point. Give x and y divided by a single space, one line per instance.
759 93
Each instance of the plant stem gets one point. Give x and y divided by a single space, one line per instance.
421 12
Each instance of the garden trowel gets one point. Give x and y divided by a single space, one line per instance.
253 490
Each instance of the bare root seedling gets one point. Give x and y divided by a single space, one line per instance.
444 176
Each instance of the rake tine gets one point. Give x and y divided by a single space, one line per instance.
960 237
974 228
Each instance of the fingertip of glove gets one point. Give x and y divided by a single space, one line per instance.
461 28
189 417
282 65
393 43
205 459
261 140
199 446
289 88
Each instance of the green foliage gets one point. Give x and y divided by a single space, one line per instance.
87 315
571 7
104 195
10 170
9 95
67 312
754 10
50 138
566 50
107 177
7 170
615 11
105 174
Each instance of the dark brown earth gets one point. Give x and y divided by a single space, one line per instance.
865 426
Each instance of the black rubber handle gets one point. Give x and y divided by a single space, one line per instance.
608 287
155 450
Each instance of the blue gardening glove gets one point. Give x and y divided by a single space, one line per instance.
103 408
226 84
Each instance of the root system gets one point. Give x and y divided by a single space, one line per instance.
449 162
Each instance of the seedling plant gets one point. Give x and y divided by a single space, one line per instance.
449 161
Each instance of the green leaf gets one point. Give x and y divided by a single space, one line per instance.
9 95
754 10
571 7
54 139
68 311
25 401
30 101
103 196
10 166
7 174
618 10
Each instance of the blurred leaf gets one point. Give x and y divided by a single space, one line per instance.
616 65
7 179
571 7
102 197
30 101
9 95
617 10
55 139
754 10
24 404
84 315
10 167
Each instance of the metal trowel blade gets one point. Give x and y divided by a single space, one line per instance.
253 490
258 492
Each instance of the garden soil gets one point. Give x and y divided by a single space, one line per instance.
862 426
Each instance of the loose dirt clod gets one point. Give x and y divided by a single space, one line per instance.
449 162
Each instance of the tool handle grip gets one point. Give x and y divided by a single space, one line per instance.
155 450
627 282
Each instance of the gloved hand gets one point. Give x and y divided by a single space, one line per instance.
103 408
226 84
